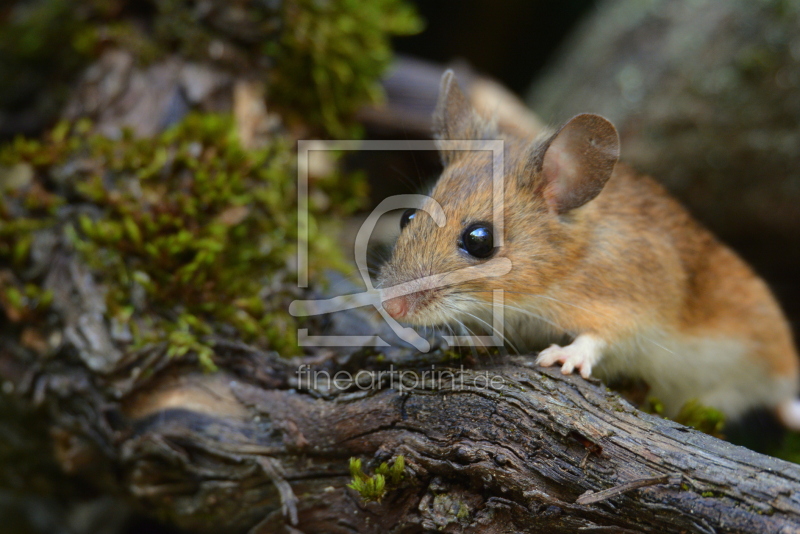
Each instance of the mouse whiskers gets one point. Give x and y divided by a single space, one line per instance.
643 336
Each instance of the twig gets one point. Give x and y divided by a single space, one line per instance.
591 497
272 468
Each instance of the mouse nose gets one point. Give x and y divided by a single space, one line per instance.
396 307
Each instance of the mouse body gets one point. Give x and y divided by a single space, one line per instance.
600 256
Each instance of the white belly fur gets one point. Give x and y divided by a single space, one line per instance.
717 372
722 373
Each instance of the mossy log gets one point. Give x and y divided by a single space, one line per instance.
254 448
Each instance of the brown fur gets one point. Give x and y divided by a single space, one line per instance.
629 261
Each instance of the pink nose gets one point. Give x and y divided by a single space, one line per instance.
396 307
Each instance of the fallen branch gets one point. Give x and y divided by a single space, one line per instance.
231 450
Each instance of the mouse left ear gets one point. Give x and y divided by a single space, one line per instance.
456 119
577 162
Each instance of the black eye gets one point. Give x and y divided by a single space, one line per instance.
408 215
478 240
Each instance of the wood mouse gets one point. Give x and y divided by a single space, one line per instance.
601 254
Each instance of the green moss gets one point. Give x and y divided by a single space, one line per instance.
395 472
330 54
453 356
215 31
191 234
373 488
23 303
654 406
703 418
321 59
789 448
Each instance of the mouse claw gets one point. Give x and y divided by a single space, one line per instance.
581 354
548 356
586 371
569 366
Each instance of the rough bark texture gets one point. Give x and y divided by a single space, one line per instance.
254 446
224 451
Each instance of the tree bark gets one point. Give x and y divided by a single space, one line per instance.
193 448
258 448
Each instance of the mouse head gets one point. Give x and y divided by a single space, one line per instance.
547 183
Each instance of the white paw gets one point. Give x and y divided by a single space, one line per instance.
581 354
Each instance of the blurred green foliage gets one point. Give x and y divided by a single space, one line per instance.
703 418
321 59
43 44
330 55
190 233
787 448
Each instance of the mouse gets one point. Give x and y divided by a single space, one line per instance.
610 275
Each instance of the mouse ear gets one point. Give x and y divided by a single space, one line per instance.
455 118
578 161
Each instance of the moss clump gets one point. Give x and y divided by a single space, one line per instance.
395 472
788 448
654 406
330 54
230 34
373 488
191 234
23 303
25 209
321 59
703 418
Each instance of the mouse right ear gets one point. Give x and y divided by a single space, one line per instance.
456 119
577 162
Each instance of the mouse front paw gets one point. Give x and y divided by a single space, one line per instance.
581 354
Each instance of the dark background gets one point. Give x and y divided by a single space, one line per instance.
510 41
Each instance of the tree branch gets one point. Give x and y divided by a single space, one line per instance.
203 450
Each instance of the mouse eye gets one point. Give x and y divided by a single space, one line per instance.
408 215
478 240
